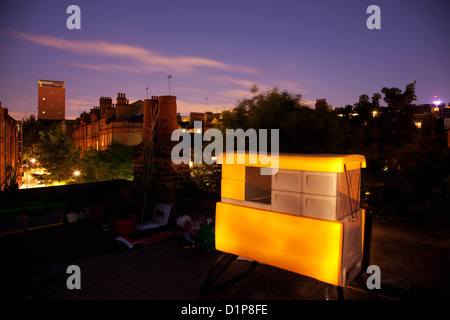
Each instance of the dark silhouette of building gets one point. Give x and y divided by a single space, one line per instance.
321 104
433 123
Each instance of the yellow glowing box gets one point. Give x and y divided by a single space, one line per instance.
303 218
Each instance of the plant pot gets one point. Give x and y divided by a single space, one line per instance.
123 226
72 217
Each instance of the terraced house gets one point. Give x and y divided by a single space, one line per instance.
10 144
108 123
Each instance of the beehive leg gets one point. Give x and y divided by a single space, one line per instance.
339 290
222 264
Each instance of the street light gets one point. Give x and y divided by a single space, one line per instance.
76 173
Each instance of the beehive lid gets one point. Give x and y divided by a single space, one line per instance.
305 162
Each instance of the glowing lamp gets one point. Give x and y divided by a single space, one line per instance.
76 173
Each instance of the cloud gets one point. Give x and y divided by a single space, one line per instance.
112 67
292 87
238 94
241 82
309 103
143 60
82 102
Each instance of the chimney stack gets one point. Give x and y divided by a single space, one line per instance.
150 111
167 119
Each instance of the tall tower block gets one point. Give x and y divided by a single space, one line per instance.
51 100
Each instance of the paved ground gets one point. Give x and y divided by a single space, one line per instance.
414 265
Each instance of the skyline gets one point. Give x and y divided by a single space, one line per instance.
216 50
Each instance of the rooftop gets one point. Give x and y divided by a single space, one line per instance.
51 83
35 267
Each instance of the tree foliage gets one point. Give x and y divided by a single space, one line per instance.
302 129
32 129
59 157
401 179
116 162
57 154
206 177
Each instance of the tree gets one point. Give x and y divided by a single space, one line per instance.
31 131
398 102
399 115
116 162
30 136
366 109
302 129
400 178
57 155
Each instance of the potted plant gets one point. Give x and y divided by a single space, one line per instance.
123 221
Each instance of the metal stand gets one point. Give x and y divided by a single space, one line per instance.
225 260
340 290
221 265
364 279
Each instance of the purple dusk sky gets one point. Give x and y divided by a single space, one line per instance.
217 49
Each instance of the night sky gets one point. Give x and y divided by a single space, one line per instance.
216 50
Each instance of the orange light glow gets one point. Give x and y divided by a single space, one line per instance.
299 233
308 246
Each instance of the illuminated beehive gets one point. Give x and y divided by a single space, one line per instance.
304 218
